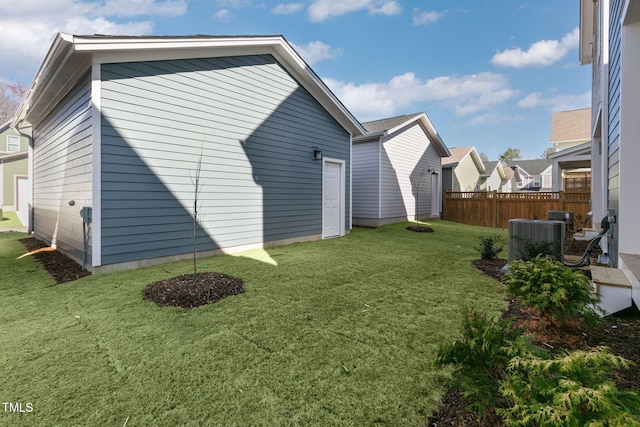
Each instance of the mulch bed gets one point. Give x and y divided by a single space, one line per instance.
60 267
188 291
420 228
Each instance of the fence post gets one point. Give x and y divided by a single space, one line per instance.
444 204
495 208
561 200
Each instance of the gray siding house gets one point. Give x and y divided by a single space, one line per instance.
396 171
532 175
610 43
121 124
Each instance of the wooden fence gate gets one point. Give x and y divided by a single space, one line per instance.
493 209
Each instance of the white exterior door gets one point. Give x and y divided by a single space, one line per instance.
333 199
23 196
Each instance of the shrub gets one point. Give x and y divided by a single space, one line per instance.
551 288
490 246
573 390
481 357
531 250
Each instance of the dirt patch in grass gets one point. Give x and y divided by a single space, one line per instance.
420 228
190 291
620 332
58 265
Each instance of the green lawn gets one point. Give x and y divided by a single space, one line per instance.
9 219
334 332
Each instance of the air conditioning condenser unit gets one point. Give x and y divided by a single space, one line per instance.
523 232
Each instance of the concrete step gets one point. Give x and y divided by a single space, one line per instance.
613 288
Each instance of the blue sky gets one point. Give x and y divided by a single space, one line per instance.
488 73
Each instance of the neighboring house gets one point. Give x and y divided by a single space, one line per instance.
571 139
122 124
610 43
570 128
571 168
512 177
396 171
493 178
15 191
461 171
531 175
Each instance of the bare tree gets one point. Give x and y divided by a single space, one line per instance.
10 98
195 180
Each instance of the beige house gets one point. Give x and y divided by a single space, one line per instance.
570 128
494 178
461 171
15 190
571 139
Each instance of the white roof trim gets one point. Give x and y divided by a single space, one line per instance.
586 31
71 56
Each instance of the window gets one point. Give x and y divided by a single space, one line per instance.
537 182
13 143
519 184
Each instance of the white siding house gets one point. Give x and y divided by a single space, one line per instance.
120 125
494 177
396 171
610 43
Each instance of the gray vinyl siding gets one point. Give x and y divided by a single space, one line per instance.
407 155
447 179
366 180
62 171
256 128
614 118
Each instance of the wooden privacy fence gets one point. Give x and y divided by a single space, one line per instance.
493 209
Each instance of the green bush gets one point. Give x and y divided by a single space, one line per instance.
481 357
531 250
551 288
573 390
490 246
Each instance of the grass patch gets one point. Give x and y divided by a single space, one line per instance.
9 219
335 332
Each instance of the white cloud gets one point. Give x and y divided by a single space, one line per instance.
425 17
556 102
316 51
530 101
222 15
464 95
493 118
319 10
539 54
29 27
287 8
142 7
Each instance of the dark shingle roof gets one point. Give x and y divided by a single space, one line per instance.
532 167
489 167
386 124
